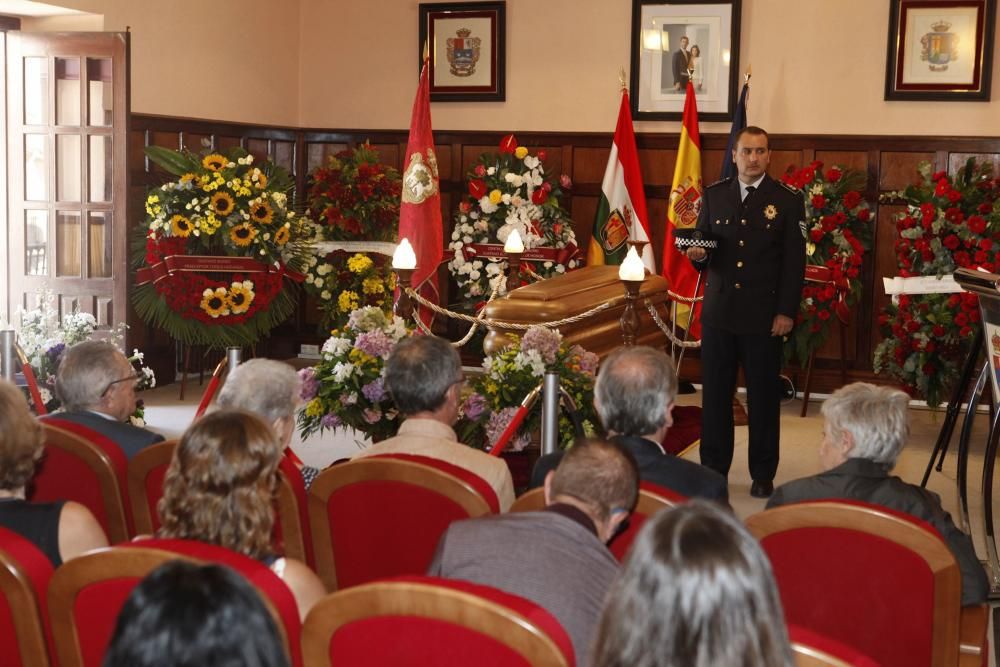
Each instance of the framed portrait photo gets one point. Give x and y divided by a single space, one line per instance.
674 42
467 44
940 50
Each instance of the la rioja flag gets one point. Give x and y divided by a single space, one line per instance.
420 209
682 213
621 212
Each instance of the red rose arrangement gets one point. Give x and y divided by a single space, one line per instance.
950 222
838 231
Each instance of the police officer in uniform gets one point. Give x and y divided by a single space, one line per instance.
752 295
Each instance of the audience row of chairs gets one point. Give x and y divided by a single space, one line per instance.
376 518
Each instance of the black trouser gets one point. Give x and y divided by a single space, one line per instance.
760 355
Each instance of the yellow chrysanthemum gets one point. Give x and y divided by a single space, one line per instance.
261 213
187 178
240 296
348 301
314 408
180 226
242 235
520 152
210 224
222 203
214 302
214 162
373 285
495 196
281 236
153 207
359 263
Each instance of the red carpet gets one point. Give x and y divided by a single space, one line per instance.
686 431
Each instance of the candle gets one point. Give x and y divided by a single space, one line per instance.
514 243
632 268
404 257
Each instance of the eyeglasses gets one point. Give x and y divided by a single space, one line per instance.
133 377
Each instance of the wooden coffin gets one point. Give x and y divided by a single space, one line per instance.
574 293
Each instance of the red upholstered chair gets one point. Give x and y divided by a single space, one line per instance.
417 621
815 650
880 581
87 467
478 484
87 593
292 532
146 471
378 517
24 583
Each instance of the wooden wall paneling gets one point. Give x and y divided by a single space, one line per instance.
785 160
846 159
284 155
897 169
957 161
259 148
583 212
225 143
196 142
657 165
389 154
444 159
657 211
136 157
589 165
711 165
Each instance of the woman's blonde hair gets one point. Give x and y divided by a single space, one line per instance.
220 485
20 439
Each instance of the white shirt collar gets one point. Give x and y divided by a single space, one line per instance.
744 186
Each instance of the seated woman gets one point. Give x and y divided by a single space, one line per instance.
865 428
696 589
61 530
220 488
187 614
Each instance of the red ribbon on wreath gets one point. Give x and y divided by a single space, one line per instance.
210 264
824 276
472 251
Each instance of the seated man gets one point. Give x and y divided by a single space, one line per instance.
557 557
424 377
634 396
269 389
96 384
865 429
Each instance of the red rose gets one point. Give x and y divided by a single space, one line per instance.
480 170
557 228
985 244
823 315
941 187
818 201
477 188
938 175
816 165
508 144
951 241
930 347
828 223
980 257
542 155
816 235
939 331
851 199
961 319
833 174
547 186
539 196
985 208
954 196
977 225
465 207
965 332
912 326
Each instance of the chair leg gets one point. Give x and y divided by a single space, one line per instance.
805 386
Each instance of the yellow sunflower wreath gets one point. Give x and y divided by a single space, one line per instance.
219 248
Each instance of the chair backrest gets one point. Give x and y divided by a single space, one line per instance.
880 581
529 501
24 582
292 532
812 649
84 466
652 499
416 621
146 471
478 484
380 517
87 593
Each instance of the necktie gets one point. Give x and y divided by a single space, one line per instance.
750 190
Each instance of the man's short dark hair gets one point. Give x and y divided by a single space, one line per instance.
419 373
753 130
601 474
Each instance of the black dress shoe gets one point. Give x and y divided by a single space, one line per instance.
761 489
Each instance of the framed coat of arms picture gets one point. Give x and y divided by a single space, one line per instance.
467 44
940 50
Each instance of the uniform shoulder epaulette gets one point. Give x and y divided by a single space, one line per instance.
791 188
722 181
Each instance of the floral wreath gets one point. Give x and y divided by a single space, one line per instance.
507 191
219 244
838 233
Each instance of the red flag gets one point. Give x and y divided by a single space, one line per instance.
420 210
682 213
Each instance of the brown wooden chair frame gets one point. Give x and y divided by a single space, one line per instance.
371 469
959 633
100 463
139 467
109 563
26 614
406 598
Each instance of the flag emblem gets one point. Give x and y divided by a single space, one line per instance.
685 200
615 232
419 179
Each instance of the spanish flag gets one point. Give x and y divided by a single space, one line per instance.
621 212
682 213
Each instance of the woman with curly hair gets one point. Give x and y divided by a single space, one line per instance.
61 530
695 591
220 489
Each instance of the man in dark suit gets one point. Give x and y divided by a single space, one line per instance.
680 65
752 296
634 396
96 384
557 557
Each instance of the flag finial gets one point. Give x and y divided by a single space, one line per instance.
621 78
748 74
426 52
